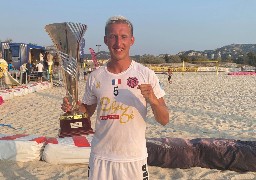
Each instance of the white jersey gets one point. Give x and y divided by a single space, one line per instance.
120 126
40 67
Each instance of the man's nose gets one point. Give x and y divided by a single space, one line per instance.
118 41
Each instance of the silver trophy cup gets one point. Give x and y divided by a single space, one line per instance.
66 38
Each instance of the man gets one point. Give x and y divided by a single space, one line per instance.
169 73
56 61
121 91
86 69
40 68
28 69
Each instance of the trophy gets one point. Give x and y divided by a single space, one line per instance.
66 38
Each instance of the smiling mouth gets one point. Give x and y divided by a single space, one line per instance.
118 50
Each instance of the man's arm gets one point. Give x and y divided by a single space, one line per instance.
160 111
158 106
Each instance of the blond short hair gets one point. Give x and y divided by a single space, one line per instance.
118 20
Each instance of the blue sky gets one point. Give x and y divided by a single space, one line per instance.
160 26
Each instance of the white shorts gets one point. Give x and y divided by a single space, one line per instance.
107 170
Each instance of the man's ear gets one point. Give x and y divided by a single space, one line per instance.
105 40
132 40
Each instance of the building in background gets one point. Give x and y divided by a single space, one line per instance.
20 53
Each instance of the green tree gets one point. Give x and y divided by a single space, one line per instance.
166 58
185 58
229 59
32 44
150 59
241 60
251 58
174 59
199 58
9 40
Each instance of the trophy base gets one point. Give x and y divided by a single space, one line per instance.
75 127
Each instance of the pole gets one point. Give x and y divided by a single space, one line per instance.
183 67
217 68
98 45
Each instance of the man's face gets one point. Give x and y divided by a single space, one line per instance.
119 40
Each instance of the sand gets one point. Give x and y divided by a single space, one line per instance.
200 105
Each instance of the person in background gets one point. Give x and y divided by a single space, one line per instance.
169 73
40 68
10 66
41 56
121 91
85 68
28 70
56 61
46 66
23 70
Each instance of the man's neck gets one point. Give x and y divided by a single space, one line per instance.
117 67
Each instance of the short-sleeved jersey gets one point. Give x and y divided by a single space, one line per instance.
121 110
40 67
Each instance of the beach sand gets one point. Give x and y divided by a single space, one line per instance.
200 105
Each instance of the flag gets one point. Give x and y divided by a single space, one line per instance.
116 81
94 58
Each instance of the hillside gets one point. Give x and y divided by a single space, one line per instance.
232 51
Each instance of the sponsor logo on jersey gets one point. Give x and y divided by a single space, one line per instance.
98 85
145 172
109 117
132 82
112 107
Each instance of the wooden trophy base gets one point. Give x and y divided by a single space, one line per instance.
74 127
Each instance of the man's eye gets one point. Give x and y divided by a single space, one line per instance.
124 37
